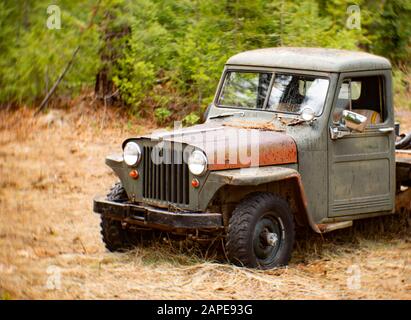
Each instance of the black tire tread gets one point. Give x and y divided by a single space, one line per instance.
117 193
127 238
120 244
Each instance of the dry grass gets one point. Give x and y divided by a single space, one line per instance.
50 169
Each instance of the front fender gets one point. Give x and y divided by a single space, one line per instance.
242 177
254 177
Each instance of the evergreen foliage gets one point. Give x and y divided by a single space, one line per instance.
167 55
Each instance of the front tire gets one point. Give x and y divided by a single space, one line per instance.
115 238
114 235
261 232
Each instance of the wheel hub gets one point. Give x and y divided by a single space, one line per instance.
271 238
267 239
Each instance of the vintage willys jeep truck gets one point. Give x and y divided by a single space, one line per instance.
317 134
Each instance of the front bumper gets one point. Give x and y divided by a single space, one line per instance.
155 217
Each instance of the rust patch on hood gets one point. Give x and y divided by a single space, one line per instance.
272 148
269 126
235 146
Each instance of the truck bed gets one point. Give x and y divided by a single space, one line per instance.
403 178
403 167
403 156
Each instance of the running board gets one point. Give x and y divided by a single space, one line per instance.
327 227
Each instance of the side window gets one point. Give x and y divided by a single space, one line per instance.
363 95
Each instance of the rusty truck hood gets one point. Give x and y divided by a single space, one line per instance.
227 145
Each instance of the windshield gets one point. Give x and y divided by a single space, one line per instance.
288 93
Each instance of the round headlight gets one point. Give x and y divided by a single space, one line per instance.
132 153
197 163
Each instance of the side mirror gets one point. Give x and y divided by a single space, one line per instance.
351 121
339 132
354 121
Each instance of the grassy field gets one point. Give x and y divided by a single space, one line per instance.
52 166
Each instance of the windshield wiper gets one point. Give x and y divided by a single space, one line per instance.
227 114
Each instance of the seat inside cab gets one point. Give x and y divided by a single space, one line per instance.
373 117
363 95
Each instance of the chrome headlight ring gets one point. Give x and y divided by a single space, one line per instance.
197 163
132 153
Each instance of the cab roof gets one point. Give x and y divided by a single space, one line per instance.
315 59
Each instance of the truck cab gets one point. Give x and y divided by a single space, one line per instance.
294 136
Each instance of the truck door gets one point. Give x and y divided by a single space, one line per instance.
361 165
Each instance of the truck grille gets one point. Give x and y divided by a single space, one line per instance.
166 181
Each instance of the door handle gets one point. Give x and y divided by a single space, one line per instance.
386 130
336 133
